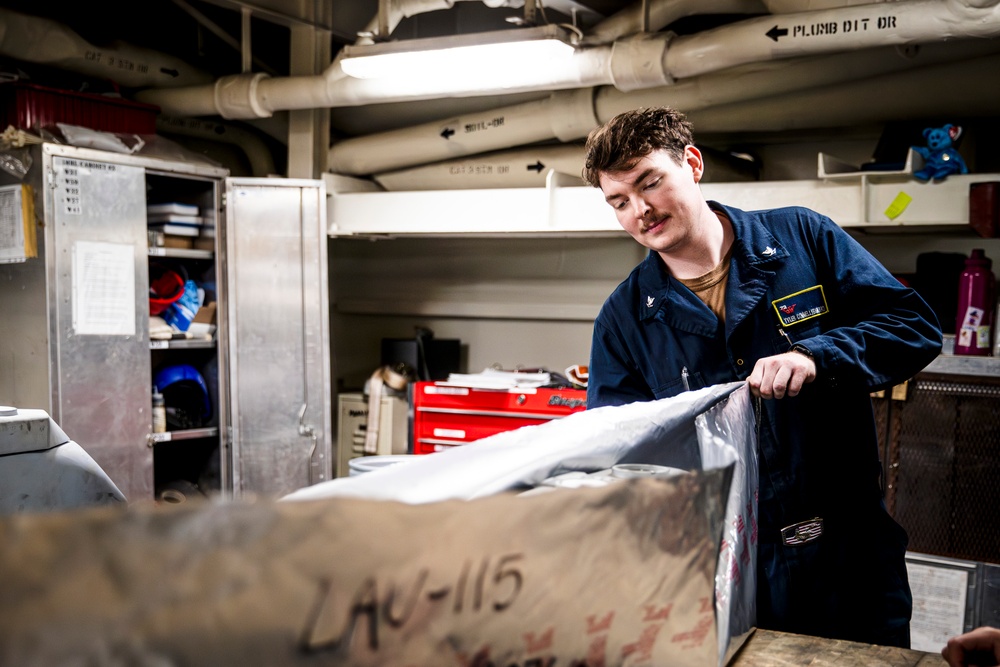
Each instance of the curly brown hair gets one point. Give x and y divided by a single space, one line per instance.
625 139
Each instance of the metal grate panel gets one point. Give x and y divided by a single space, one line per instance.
945 467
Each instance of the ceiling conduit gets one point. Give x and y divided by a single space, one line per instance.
635 18
901 95
257 95
40 40
519 168
570 115
829 31
257 153
629 64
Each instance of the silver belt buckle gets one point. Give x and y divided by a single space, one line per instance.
802 532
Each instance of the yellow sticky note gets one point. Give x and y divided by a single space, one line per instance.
898 205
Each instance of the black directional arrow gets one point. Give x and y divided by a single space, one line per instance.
538 166
447 132
776 32
170 72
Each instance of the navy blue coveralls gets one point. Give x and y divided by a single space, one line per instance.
795 278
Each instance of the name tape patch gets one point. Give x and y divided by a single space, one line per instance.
801 306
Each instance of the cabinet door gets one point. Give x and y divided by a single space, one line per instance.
276 244
99 315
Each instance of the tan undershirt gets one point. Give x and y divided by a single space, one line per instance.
711 287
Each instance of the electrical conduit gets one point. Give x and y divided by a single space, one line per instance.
643 62
570 115
41 40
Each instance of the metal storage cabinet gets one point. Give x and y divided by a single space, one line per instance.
92 371
279 334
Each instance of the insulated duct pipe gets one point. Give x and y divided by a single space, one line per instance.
566 115
828 31
570 115
257 153
257 96
521 168
631 20
41 40
629 64
900 95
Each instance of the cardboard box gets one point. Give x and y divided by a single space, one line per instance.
206 314
638 572
171 241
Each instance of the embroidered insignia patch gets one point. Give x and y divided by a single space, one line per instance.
801 306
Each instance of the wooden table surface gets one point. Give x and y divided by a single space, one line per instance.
766 648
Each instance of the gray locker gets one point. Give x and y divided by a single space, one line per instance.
74 321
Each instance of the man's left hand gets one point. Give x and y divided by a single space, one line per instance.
781 375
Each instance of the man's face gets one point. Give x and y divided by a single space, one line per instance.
658 200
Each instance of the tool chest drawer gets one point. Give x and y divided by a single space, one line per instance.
445 415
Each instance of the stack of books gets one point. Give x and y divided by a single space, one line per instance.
175 219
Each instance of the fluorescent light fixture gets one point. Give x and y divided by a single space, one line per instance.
485 57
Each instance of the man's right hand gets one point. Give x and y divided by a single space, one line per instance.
781 375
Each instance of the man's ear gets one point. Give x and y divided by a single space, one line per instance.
693 158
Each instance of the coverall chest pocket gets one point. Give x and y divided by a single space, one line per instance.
679 384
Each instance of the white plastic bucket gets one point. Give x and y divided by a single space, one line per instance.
363 464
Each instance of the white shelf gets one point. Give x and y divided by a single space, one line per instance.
181 253
855 200
182 344
832 168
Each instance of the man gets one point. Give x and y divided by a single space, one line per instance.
789 302
977 647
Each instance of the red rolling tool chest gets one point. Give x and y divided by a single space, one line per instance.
445 415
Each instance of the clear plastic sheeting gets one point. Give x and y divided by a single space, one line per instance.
658 432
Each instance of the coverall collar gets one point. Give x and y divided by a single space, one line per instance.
753 246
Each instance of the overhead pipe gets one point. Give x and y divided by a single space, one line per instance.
629 64
901 96
659 14
522 168
40 40
257 96
570 115
257 153
566 115
829 31
518 168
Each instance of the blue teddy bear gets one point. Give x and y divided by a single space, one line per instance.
940 158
